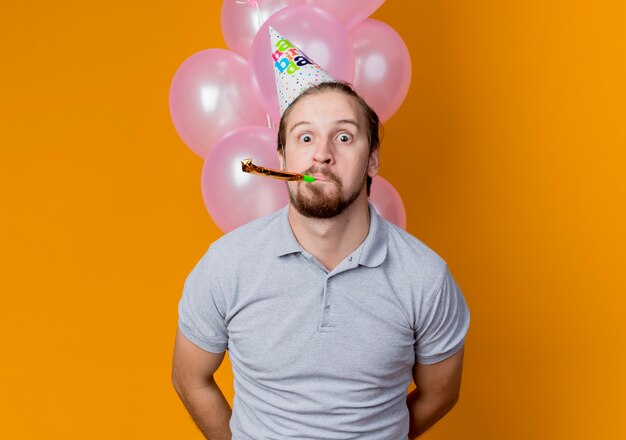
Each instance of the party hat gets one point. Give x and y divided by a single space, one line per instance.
293 70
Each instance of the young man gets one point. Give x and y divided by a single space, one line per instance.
327 310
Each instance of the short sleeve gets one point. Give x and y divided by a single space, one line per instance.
442 331
201 310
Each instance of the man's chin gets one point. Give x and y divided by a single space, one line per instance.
319 210
316 204
320 205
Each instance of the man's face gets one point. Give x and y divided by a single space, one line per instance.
326 137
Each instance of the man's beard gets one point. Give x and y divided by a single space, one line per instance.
318 203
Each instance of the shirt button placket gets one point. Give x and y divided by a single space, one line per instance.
325 306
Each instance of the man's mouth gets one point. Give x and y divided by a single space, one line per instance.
322 177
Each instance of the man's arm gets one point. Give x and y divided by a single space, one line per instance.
436 393
192 377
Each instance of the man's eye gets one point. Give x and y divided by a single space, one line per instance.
305 138
344 137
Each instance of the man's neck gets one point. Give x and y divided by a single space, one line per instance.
333 239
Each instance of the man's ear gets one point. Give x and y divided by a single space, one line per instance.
281 159
373 163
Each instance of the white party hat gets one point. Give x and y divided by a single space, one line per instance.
293 70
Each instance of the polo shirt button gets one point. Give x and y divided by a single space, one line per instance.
350 259
327 309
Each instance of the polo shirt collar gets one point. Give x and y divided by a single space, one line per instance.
375 245
371 253
286 242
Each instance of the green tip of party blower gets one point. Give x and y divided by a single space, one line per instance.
308 178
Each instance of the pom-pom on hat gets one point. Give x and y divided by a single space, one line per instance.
293 70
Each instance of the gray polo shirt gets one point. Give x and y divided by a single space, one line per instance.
318 354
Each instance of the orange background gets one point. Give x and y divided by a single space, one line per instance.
508 152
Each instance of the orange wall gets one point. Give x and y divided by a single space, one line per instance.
508 153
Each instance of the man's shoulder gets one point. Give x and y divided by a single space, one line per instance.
410 252
237 253
249 238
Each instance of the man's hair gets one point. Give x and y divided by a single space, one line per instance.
374 128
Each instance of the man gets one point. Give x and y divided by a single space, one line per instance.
327 310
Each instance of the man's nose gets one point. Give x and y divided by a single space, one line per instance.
324 153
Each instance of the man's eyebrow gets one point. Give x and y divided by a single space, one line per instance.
338 122
348 121
299 123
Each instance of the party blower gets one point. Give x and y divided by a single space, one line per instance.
248 167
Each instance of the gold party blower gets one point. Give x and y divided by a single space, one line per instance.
248 167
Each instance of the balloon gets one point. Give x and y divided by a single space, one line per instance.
210 95
317 33
233 197
349 12
387 201
242 19
382 67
